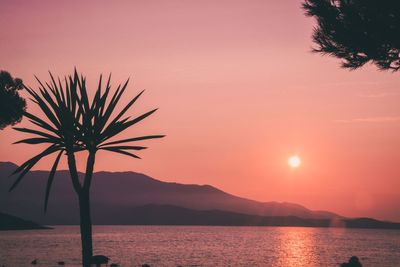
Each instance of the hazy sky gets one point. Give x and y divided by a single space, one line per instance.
238 92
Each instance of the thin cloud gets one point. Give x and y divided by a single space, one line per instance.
371 120
378 95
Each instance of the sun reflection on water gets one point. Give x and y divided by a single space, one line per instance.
297 248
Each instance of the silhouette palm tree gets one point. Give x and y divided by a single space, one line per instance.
76 124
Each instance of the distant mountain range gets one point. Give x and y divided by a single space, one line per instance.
115 193
9 222
120 197
172 215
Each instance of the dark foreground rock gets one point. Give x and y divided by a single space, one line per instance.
353 262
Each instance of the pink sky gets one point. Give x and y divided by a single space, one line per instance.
238 92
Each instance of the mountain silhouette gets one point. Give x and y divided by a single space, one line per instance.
152 214
114 194
10 222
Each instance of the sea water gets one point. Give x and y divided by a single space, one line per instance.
204 246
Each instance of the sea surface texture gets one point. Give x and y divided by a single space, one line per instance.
204 246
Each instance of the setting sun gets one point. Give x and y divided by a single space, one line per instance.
294 161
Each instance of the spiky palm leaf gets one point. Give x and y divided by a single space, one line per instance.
74 123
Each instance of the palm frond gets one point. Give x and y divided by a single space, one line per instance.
50 179
126 147
41 123
40 133
117 127
125 109
44 107
120 152
34 141
24 168
140 138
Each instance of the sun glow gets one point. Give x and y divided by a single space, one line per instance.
294 161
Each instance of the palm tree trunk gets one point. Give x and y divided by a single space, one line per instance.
84 207
86 228
73 172
83 192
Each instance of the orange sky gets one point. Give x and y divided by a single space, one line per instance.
238 92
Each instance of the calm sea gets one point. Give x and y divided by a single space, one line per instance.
204 246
